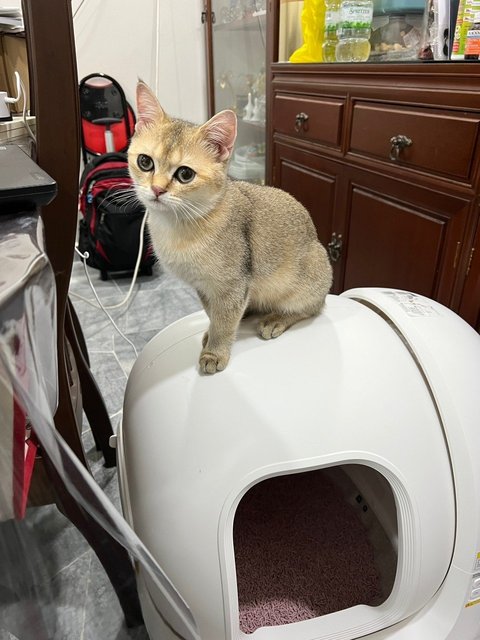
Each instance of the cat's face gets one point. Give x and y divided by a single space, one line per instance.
178 168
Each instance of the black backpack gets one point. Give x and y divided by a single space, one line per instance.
110 227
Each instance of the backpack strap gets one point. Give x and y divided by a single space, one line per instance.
113 156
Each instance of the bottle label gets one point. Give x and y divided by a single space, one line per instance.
331 21
356 16
472 44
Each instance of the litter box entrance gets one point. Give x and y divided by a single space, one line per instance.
311 543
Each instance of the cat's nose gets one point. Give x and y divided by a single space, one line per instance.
158 191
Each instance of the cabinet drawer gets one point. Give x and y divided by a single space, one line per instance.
442 141
322 123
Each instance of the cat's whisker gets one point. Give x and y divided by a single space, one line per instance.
115 190
125 185
125 200
185 213
122 193
200 209
186 217
126 195
189 211
196 209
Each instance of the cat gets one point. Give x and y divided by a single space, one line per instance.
243 247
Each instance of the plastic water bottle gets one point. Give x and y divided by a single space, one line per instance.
353 32
330 30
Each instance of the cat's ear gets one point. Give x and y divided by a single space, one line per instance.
220 133
149 110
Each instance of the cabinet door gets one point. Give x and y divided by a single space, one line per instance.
311 180
235 46
401 236
470 302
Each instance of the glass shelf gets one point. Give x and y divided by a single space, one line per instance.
249 23
238 70
403 31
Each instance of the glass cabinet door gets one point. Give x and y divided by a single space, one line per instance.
237 68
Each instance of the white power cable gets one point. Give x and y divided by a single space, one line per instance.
100 305
21 92
24 110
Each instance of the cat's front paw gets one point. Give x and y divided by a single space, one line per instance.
213 362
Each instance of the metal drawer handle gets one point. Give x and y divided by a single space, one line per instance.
334 247
300 120
398 143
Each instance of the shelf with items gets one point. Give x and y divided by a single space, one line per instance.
257 124
254 112
248 162
398 30
247 23
236 62
244 93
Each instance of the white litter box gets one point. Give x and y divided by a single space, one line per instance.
326 485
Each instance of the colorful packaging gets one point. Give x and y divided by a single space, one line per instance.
465 21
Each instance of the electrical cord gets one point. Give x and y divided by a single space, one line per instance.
24 110
84 256
21 92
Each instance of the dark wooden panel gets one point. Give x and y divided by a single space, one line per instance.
324 118
470 302
392 245
301 174
406 224
443 141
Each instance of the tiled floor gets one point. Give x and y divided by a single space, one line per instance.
52 587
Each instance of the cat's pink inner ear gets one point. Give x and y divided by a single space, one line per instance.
149 110
221 132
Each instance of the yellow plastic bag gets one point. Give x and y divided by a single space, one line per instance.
313 20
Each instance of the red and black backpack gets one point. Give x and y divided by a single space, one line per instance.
111 216
107 119
109 229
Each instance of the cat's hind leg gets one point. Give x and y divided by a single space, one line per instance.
301 298
287 313
274 324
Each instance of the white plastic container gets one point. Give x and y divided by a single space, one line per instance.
381 389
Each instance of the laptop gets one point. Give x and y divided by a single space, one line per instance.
23 184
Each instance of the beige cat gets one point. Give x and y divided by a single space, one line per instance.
243 247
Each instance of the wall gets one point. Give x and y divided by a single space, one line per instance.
160 41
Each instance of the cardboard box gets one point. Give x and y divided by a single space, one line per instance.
13 57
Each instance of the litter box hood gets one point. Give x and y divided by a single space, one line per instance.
382 380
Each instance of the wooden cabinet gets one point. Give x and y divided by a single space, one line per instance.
386 158
311 179
470 306
400 235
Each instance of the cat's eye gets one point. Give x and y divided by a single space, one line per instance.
144 162
184 174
